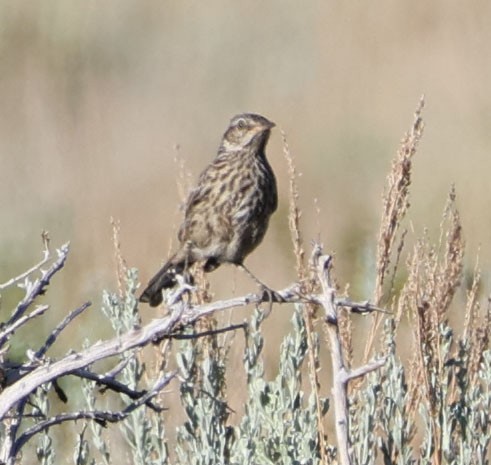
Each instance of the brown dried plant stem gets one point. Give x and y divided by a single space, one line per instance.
307 286
395 207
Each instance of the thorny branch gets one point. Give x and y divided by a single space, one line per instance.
35 289
45 259
5 333
105 381
341 374
60 327
100 416
50 371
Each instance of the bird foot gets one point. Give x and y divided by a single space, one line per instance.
270 295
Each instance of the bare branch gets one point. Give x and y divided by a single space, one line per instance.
106 381
365 369
96 415
341 375
181 315
38 287
118 368
10 329
46 258
287 295
12 426
60 327
211 332
361 308
339 372
114 385
137 337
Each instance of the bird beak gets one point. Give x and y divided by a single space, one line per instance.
269 125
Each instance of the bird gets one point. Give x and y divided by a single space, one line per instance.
226 215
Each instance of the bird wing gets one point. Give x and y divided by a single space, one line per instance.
206 214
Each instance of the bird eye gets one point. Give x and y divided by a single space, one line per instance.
241 124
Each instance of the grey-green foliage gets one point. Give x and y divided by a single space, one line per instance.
98 440
142 429
452 419
81 452
379 412
474 444
205 436
462 404
44 451
40 407
280 424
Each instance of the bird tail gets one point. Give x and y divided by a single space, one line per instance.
164 279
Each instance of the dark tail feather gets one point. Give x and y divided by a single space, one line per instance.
164 279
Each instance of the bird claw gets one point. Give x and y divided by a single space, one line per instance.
270 295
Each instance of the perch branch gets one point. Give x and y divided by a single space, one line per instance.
181 315
211 332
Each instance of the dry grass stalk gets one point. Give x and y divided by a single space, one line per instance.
396 199
345 326
121 266
435 273
395 206
294 215
415 380
408 302
184 178
439 280
206 348
472 304
121 274
476 331
479 340
450 271
397 262
160 361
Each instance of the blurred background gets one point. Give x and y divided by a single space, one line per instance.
99 99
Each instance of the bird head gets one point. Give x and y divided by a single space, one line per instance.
246 130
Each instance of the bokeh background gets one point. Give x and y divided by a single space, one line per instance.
98 99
